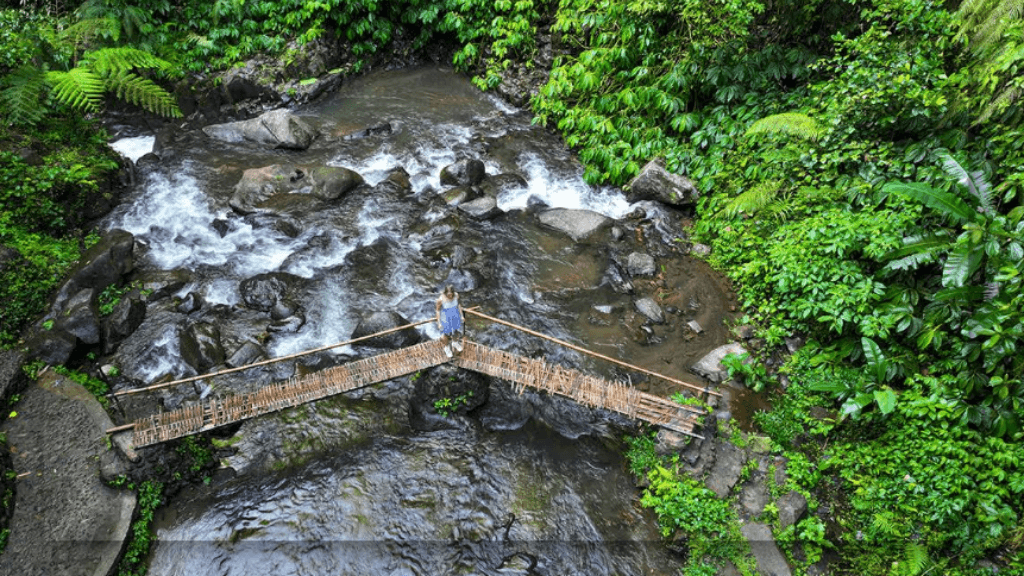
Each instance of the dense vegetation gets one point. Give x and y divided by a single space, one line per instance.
860 163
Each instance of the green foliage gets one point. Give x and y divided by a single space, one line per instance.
97 387
446 406
133 563
196 451
788 123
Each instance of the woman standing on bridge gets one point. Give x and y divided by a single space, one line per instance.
449 319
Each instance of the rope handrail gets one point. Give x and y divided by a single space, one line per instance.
702 390
273 360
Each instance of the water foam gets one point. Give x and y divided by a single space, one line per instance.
135 147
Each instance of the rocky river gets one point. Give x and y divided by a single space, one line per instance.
301 228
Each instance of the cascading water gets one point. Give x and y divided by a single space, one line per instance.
405 502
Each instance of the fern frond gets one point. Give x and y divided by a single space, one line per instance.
79 88
110 61
143 92
753 199
1001 102
789 123
22 98
917 250
80 33
985 21
915 558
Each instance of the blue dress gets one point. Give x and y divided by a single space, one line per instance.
451 320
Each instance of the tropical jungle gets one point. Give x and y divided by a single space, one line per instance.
860 165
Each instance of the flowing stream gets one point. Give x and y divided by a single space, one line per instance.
347 486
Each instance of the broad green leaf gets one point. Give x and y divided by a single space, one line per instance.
886 400
960 265
945 203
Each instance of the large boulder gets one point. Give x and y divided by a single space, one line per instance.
443 393
792 508
654 182
126 317
275 129
332 182
483 208
201 347
263 291
495 186
710 366
578 224
260 184
80 317
379 322
105 263
465 172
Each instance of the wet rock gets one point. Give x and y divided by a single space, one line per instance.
650 309
80 317
770 560
221 226
158 284
702 250
126 317
258 185
103 264
617 279
640 264
375 322
396 182
200 346
283 309
753 499
710 366
246 354
465 172
499 184
461 256
578 224
291 324
792 508
669 442
536 204
445 391
695 326
745 332
458 195
382 129
656 183
51 346
794 344
263 291
726 471
275 129
192 302
462 280
238 88
483 208
331 182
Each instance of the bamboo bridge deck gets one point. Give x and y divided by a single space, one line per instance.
522 372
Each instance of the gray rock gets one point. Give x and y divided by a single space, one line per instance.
483 208
499 184
258 185
332 182
247 353
578 224
753 499
458 195
656 183
670 442
103 264
192 302
51 346
200 346
275 129
159 284
702 250
465 172
80 317
640 264
792 508
710 366
650 309
615 277
263 291
380 321
770 561
127 316
726 471
695 326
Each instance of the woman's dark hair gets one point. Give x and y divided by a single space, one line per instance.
449 291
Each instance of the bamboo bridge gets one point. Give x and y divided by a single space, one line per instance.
522 372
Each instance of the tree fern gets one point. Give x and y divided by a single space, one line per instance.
984 21
22 98
789 123
915 558
142 92
81 33
80 88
